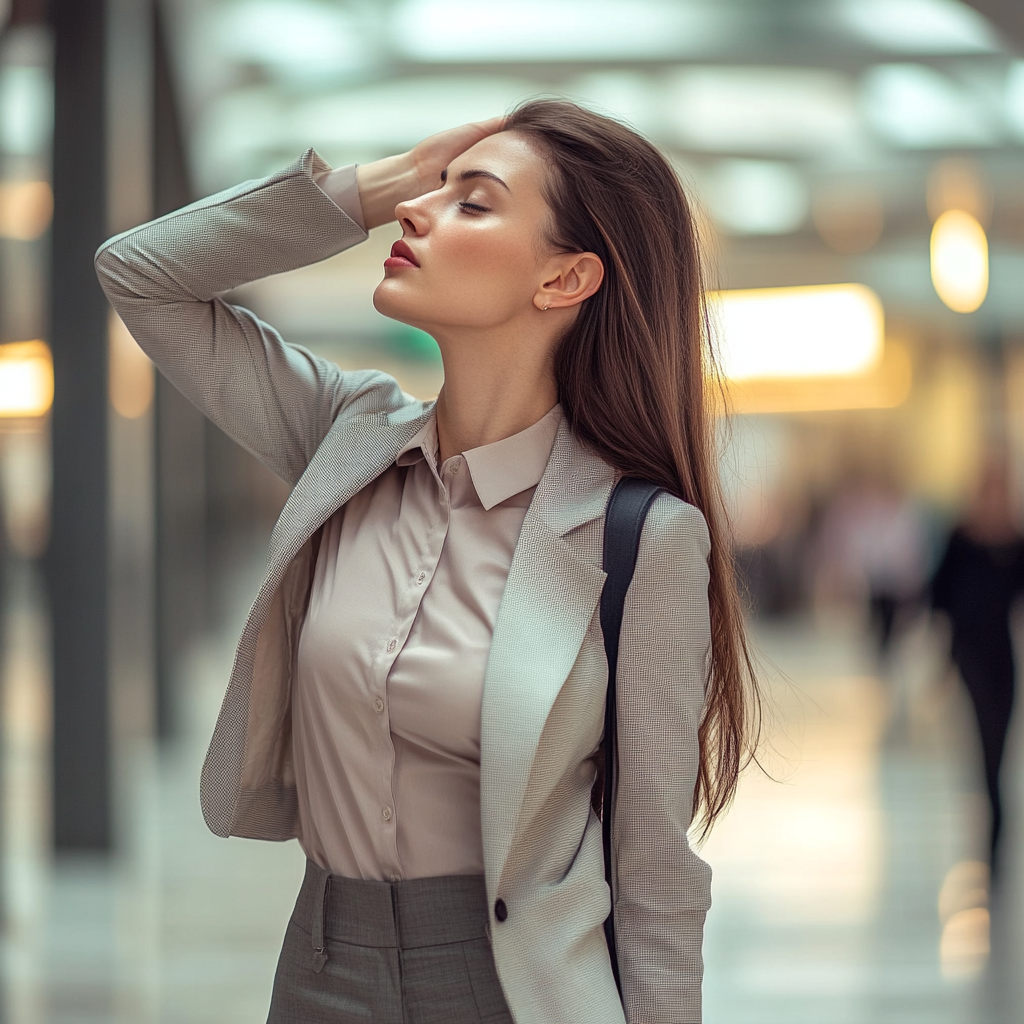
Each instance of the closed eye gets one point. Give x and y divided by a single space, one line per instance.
473 208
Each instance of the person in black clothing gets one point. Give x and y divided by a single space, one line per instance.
980 576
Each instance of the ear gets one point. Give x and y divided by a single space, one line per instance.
569 278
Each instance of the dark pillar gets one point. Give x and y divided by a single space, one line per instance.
77 558
1007 16
180 431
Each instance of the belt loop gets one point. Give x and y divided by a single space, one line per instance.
323 888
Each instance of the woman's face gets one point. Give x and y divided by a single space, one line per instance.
472 253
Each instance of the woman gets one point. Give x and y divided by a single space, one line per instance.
978 581
418 693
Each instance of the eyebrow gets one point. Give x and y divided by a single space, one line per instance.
470 175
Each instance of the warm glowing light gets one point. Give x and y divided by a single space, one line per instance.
960 261
964 947
817 331
963 911
884 387
130 372
964 888
26 379
26 208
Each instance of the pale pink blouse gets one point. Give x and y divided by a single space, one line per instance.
391 659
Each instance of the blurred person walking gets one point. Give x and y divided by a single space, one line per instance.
873 537
419 692
894 561
978 580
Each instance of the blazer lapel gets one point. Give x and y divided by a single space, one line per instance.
355 451
552 592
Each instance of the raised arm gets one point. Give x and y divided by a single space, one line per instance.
662 888
166 278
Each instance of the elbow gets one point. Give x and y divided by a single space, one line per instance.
121 282
105 264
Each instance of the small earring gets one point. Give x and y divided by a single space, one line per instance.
545 309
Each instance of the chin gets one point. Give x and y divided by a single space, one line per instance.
397 306
396 303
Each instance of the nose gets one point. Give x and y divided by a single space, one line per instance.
412 217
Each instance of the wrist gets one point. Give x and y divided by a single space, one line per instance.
384 184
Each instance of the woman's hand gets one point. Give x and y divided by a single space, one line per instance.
395 179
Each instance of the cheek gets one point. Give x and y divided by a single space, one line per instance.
472 276
501 258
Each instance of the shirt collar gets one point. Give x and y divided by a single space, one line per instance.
502 468
422 445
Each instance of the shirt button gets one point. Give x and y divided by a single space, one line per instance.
392 644
455 468
386 813
500 910
419 579
379 705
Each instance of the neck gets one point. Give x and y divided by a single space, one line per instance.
493 388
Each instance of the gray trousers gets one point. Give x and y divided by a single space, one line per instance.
414 952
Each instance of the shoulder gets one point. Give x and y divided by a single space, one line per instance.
667 621
672 572
675 530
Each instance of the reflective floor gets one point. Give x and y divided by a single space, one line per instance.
847 886
846 889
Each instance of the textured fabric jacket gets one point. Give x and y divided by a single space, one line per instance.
328 433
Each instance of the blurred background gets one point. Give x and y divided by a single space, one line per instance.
859 170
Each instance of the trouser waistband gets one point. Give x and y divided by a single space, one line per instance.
406 915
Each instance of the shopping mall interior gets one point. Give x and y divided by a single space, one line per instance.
857 167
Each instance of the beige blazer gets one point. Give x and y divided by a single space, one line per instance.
328 433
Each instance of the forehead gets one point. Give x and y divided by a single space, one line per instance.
507 155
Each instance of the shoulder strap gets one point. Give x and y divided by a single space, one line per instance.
624 519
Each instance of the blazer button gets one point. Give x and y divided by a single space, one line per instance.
500 910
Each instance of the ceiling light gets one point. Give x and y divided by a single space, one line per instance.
625 95
917 107
959 259
771 110
469 31
401 112
299 38
1014 99
756 197
815 331
919 26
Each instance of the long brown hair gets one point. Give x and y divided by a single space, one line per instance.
636 372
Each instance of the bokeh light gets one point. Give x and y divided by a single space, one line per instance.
959 261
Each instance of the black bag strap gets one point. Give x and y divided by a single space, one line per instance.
624 518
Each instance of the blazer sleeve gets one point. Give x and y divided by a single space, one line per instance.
166 278
662 889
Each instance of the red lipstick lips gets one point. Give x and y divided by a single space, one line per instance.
401 256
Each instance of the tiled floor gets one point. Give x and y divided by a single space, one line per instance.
827 887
